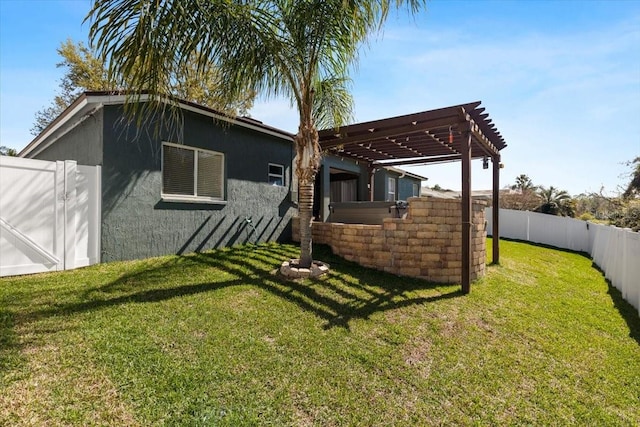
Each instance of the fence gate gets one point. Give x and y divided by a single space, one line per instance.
49 215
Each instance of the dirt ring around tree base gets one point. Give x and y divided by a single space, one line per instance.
291 269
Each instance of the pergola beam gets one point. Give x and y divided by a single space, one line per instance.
426 160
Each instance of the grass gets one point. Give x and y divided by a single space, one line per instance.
217 339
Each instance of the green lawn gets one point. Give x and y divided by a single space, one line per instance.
217 339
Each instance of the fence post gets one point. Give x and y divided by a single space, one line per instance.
96 218
69 214
59 222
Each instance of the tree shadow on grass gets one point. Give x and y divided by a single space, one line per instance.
626 310
10 357
348 292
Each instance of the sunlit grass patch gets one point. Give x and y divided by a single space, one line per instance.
218 339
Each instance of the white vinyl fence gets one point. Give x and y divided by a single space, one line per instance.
49 215
616 251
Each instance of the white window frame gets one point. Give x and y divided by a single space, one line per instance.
416 189
391 189
281 176
192 198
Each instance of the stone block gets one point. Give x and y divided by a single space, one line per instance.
414 242
388 225
444 228
409 271
377 241
415 211
347 231
401 235
425 234
430 257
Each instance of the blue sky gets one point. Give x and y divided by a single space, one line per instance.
561 80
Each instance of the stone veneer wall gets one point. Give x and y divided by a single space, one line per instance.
427 244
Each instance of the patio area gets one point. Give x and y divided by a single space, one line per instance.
442 240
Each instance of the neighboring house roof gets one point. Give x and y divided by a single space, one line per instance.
405 173
90 102
452 194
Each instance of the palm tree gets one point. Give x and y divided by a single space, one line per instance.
553 200
300 49
524 184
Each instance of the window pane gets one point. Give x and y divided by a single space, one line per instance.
177 171
391 190
275 180
275 169
210 183
276 174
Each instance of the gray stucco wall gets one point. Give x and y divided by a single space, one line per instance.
323 193
136 223
83 143
380 184
404 185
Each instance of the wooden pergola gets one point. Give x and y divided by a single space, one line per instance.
457 133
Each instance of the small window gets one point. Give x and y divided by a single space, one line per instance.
192 174
416 189
276 174
391 190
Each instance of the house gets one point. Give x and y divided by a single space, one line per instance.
213 181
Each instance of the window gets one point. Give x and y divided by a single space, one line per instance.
276 174
391 189
416 189
192 174
344 191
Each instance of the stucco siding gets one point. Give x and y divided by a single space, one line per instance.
82 143
405 187
380 185
137 223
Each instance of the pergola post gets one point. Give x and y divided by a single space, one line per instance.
496 210
466 212
372 171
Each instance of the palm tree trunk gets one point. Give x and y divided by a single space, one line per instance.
305 211
308 162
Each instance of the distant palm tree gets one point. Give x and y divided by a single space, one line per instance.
524 184
553 200
303 50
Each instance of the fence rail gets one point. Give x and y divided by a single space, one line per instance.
616 251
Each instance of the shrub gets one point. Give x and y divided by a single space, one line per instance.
628 217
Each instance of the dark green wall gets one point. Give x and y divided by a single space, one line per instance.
83 143
136 223
380 185
323 193
404 185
